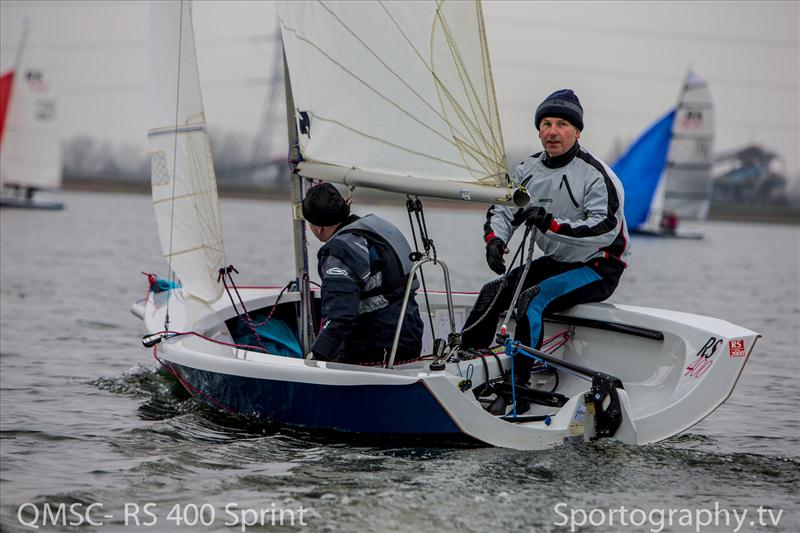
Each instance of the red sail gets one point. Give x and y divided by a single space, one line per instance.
5 96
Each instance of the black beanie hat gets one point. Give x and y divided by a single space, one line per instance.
563 104
324 206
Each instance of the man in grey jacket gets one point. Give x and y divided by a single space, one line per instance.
576 214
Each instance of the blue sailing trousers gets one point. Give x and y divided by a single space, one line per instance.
561 285
552 288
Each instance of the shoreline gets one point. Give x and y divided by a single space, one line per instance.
770 214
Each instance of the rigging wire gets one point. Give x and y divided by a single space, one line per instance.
174 158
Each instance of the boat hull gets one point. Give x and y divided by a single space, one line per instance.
678 234
29 203
373 409
675 369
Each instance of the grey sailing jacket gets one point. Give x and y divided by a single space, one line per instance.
585 198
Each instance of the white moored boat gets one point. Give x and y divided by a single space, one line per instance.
638 375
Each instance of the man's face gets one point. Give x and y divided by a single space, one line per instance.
558 135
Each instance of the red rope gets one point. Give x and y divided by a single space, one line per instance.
565 334
223 343
246 314
274 307
552 349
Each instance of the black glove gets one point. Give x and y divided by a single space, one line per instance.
537 216
494 255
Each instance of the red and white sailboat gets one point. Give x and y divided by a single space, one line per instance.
30 149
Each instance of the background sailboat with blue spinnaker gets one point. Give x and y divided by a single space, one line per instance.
666 172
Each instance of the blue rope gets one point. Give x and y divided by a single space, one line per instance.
512 350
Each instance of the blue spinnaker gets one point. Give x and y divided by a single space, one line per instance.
641 167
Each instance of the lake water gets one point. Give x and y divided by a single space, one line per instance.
86 419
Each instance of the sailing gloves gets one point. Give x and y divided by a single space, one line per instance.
538 217
495 249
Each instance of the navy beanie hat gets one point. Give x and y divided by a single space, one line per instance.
563 104
324 206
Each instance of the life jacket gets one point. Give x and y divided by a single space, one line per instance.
388 285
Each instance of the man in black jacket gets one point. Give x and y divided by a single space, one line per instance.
364 267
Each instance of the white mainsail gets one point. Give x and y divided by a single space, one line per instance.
687 178
30 148
183 180
397 96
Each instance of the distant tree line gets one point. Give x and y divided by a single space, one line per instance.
89 158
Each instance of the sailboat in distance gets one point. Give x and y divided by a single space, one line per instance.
666 172
30 147
395 96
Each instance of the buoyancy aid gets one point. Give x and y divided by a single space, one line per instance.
388 285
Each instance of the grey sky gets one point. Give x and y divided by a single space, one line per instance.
625 60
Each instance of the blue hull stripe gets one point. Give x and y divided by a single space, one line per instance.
552 288
378 409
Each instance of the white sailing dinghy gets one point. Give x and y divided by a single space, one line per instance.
666 172
30 150
399 97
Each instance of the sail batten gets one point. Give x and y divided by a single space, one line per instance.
401 90
387 142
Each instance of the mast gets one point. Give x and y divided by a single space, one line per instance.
299 225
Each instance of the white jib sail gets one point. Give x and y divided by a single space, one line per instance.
396 95
182 172
687 180
30 155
